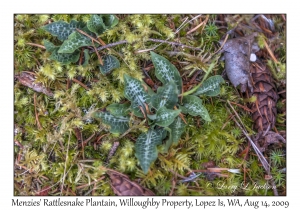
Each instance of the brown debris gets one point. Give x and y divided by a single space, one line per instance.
262 142
264 108
237 53
28 80
122 186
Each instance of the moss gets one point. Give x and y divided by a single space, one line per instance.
51 154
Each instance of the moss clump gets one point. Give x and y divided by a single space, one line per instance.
59 145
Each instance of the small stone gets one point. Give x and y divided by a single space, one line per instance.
252 57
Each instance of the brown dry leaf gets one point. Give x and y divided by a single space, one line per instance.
27 79
237 53
123 186
262 142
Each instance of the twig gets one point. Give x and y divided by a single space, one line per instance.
19 144
112 151
174 43
227 35
150 39
36 114
64 177
110 45
86 185
36 45
181 116
257 151
245 108
270 51
86 141
259 154
194 29
99 57
173 185
82 32
102 42
81 84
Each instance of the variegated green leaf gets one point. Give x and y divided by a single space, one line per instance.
177 128
211 86
65 58
74 41
146 147
166 71
110 20
135 92
164 116
117 124
96 24
193 106
49 45
109 63
86 57
62 29
118 110
166 96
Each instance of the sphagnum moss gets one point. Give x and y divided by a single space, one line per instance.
40 153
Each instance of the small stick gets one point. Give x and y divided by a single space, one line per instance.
100 137
86 185
245 108
81 84
257 151
36 45
36 114
173 185
227 35
174 43
181 116
99 57
65 168
102 42
194 29
93 39
110 45
270 51
86 141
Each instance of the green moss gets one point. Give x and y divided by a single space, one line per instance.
51 155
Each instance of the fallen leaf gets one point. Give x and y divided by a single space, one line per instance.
28 80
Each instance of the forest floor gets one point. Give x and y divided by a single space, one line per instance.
62 148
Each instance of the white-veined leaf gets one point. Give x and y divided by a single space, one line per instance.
177 128
193 106
135 92
74 41
62 29
146 147
211 86
109 63
117 124
65 58
96 24
110 20
118 109
166 96
166 71
165 117
49 45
